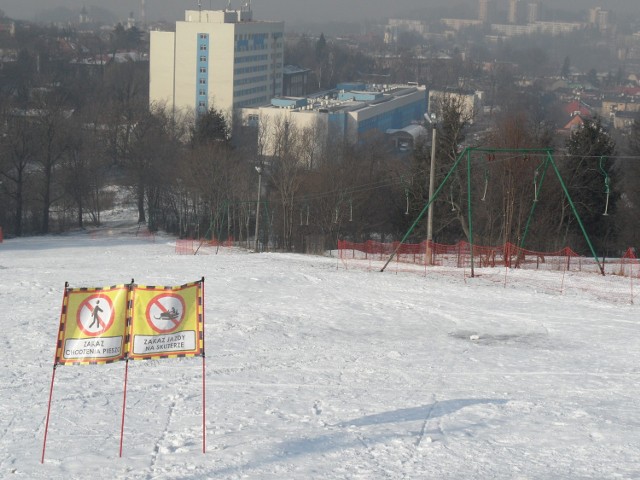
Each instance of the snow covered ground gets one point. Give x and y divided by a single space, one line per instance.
315 372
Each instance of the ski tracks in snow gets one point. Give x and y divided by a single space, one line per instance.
425 425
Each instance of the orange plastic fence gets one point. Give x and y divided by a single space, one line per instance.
185 246
459 255
629 265
190 246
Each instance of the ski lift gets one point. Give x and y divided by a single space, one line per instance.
607 186
536 175
304 207
486 184
406 195
490 157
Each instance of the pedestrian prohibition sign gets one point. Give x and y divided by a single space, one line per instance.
95 315
165 312
92 325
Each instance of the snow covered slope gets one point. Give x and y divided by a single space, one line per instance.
315 372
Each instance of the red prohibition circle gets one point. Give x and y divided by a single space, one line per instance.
156 301
105 326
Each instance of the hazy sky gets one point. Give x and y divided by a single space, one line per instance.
309 11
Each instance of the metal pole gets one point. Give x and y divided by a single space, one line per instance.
469 208
46 424
259 170
204 389
575 213
124 403
432 181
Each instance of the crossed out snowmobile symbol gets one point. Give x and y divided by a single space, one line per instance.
165 312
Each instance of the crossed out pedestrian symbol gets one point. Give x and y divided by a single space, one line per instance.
95 315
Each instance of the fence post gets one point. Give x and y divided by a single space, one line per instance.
1 235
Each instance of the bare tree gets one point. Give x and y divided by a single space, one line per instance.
18 145
285 173
52 119
124 98
509 188
453 116
628 172
150 159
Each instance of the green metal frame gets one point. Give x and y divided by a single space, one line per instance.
468 152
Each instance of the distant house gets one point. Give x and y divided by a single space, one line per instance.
576 122
7 27
577 108
620 103
469 101
625 120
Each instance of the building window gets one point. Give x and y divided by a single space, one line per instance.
203 47
202 81
203 69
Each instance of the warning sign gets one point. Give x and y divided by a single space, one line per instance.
93 325
95 319
165 312
166 321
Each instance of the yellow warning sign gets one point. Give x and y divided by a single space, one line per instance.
93 325
166 321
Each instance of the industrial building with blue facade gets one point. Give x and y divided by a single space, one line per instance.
351 112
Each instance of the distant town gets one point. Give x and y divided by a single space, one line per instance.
266 89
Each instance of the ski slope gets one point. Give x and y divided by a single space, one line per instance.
317 372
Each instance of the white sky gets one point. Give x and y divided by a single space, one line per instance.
308 11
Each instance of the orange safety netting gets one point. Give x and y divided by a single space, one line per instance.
460 256
190 246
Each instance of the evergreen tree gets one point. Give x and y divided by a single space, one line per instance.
628 171
210 127
588 175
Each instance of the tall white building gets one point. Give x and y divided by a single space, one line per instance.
599 17
216 58
533 12
484 10
513 12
